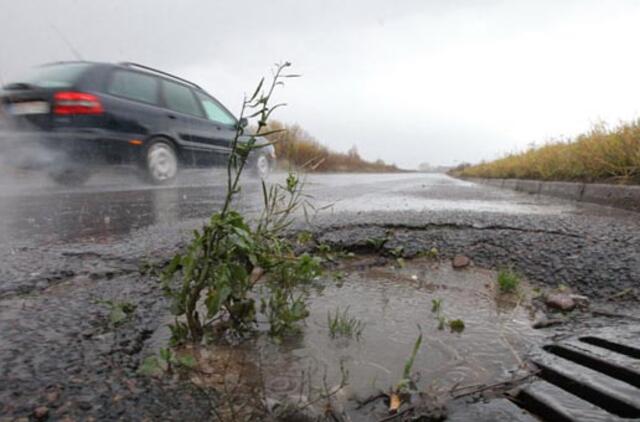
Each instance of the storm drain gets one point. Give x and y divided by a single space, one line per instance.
586 378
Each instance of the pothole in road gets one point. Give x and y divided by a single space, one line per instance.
392 302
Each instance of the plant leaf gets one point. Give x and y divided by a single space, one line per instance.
150 367
187 361
409 364
255 94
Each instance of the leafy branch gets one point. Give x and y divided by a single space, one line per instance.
228 258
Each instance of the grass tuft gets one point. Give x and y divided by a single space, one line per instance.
456 325
508 281
341 324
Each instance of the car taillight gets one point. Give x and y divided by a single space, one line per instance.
66 103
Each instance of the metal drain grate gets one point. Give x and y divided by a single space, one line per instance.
586 378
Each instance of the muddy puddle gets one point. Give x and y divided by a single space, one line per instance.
392 302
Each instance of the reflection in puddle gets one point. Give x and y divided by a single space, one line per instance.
392 302
99 217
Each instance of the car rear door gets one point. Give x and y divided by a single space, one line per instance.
132 105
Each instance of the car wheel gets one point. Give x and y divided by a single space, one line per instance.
70 175
262 166
161 162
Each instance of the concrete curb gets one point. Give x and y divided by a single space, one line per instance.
618 196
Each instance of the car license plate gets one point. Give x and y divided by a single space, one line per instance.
29 107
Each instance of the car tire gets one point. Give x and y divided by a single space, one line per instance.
261 166
70 175
160 162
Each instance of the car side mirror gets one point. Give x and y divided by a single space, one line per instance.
243 122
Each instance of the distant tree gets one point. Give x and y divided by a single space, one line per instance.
353 153
296 147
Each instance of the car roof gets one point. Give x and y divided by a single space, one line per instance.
132 66
137 66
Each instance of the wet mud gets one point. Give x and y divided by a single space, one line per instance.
396 305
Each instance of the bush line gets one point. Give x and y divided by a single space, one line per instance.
609 155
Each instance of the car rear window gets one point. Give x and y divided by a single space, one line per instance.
134 86
56 76
181 99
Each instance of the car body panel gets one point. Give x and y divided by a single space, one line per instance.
121 132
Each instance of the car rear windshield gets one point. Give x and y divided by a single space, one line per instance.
56 76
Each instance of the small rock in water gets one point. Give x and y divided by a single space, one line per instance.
394 403
294 408
580 300
560 301
53 396
41 413
427 407
256 274
547 322
341 398
460 261
84 405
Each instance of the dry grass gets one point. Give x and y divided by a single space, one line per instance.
601 155
297 148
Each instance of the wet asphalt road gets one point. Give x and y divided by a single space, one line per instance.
113 206
62 251
48 232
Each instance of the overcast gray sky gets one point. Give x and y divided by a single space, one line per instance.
407 81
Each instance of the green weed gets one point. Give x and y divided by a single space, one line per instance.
341 324
338 277
332 254
147 267
432 253
166 361
442 321
304 237
377 243
436 305
219 265
456 325
508 281
406 382
397 252
119 312
408 365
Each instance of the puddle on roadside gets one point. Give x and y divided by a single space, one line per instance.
392 302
